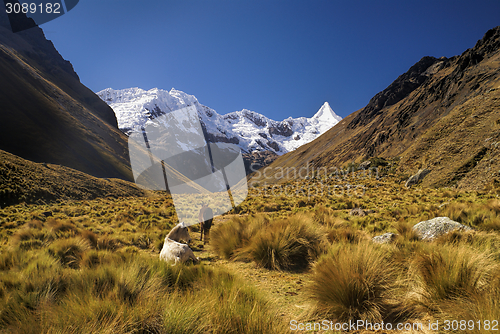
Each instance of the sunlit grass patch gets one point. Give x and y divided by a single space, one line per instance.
474 313
70 251
130 293
286 244
345 234
448 272
226 240
353 282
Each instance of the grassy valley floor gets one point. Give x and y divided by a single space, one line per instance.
289 252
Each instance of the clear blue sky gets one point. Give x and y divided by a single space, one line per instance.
277 57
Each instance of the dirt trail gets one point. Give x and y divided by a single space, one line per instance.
286 289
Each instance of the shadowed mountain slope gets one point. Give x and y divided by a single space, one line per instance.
443 114
47 115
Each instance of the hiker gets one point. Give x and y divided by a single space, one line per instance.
205 218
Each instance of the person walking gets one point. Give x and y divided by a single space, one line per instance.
205 217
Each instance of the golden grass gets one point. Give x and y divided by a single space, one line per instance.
353 282
126 293
447 273
281 244
97 263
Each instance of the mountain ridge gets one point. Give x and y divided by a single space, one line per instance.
248 129
405 120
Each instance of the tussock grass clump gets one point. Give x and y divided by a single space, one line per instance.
286 244
91 237
481 215
324 216
95 258
61 227
21 235
106 242
228 239
70 251
9 259
346 235
406 231
353 282
30 238
35 224
476 310
282 244
446 273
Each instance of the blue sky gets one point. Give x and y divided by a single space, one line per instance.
277 57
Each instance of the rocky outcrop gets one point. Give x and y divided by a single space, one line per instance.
364 165
274 145
258 159
398 90
418 177
429 230
281 129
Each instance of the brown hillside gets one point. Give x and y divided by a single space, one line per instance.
443 114
48 115
25 181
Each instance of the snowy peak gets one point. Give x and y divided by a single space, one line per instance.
251 131
326 114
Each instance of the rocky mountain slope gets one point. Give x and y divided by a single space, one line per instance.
48 115
442 114
251 131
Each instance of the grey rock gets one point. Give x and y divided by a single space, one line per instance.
364 164
431 229
384 238
360 212
357 212
414 179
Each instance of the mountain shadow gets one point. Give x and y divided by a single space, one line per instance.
48 115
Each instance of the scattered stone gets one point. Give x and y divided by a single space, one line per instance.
364 164
360 212
384 238
417 177
431 229
357 212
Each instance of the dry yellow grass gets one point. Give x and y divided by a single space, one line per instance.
104 253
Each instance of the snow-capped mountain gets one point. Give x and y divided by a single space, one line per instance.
251 131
